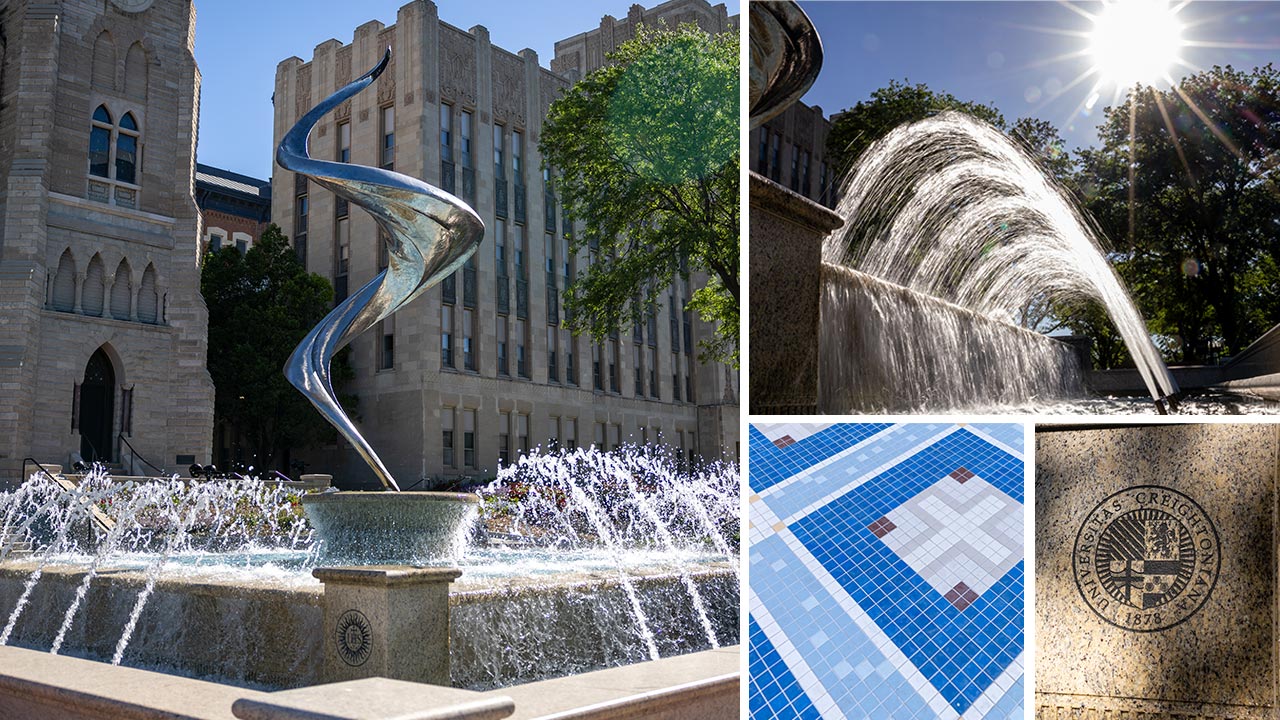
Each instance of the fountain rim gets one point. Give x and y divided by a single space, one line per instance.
374 496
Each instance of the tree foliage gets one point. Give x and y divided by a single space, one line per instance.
261 305
646 155
1200 244
855 129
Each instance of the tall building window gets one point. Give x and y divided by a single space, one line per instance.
388 146
387 348
600 438
795 168
615 436
446 131
653 372
804 173
344 142
341 254
504 438
499 160
775 157
517 156
522 363
446 336
500 266
639 370
553 435
503 367
468 346
570 365
446 440
465 138
597 378
301 210
522 274
468 162
522 432
614 380
553 371
446 148
469 438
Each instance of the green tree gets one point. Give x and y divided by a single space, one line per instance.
855 129
646 155
1198 227
261 305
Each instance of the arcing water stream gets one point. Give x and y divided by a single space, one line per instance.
950 208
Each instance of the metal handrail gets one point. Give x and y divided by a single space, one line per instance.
138 455
38 464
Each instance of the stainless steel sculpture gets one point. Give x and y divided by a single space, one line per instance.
429 232
786 55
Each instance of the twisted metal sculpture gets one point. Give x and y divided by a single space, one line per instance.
429 232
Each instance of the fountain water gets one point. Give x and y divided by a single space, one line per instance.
949 208
594 559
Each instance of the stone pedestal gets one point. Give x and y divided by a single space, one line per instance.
1156 572
786 237
386 621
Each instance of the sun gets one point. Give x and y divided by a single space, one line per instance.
1136 41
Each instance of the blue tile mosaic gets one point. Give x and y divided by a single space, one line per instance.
861 631
771 464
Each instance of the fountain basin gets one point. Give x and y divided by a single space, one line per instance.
390 528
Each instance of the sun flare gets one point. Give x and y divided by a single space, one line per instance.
1136 41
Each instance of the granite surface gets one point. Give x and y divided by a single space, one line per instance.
1182 653
786 237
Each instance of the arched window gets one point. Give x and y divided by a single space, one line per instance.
115 160
148 297
64 283
121 292
104 62
135 72
93 289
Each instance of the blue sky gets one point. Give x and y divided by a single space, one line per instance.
1009 54
239 43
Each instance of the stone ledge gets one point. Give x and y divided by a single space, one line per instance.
375 698
702 685
38 684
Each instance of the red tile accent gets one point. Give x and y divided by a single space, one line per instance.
881 527
961 596
961 475
784 441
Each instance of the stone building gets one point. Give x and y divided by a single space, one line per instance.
479 368
578 55
236 208
790 149
102 328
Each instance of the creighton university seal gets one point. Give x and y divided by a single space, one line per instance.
354 638
1146 558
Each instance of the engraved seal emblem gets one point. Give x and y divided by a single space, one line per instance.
354 638
1146 558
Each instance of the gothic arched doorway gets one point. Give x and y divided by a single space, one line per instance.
97 400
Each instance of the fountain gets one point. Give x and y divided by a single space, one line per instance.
912 295
592 560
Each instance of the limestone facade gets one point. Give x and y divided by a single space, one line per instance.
99 234
479 368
